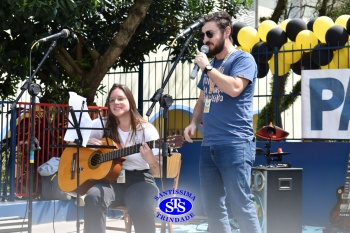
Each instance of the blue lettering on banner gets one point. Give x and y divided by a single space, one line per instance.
345 114
175 192
174 219
318 105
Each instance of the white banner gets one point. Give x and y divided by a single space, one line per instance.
325 100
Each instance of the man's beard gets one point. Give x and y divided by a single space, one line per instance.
217 49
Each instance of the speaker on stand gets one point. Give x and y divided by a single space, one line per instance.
277 194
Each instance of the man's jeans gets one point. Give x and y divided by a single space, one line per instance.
225 172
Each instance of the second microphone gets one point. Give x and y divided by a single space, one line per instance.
205 50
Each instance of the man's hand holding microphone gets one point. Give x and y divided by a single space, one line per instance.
201 60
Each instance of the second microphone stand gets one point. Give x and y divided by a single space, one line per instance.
165 102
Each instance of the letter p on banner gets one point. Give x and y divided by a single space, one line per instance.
325 100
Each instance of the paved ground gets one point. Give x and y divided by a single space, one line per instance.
71 226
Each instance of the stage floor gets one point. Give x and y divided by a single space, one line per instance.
70 227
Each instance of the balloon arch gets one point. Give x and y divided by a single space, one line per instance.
317 44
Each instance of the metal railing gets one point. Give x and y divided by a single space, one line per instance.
51 123
276 99
8 149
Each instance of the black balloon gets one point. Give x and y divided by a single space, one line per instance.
296 68
310 24
294 26
321 55
305 63
261 52
348 26
263 69
276 37
234 31
336 36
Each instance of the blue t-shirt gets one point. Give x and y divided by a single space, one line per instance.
230 119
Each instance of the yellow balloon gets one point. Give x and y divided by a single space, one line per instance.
321 26
306 40
284 23
330 65
264 28
248 37
341 58
247 50
342 20
241 48
283 68
288 53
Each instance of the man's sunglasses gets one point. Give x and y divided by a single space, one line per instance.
209 34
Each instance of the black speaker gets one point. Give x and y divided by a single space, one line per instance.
277 194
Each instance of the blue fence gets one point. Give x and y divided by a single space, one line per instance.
277 98
8 151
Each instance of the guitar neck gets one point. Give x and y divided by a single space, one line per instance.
346 193
125 151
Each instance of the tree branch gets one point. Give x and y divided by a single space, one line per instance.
68 63
279 9
120 41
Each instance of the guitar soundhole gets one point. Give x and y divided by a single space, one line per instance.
95 160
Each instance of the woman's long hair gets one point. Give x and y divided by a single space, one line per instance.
113 123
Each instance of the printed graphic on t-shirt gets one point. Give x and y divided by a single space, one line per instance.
216 95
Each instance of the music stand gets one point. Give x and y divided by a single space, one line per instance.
75 164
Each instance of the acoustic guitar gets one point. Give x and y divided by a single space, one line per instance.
102 165
340 214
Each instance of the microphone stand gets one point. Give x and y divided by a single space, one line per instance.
33 90
165 102
78 142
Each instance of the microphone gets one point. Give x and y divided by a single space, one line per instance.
204 49
199 23
63 34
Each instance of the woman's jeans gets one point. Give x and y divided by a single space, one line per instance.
225 172
138 198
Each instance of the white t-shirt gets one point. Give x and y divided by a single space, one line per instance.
133 161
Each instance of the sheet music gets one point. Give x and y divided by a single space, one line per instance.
78 103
